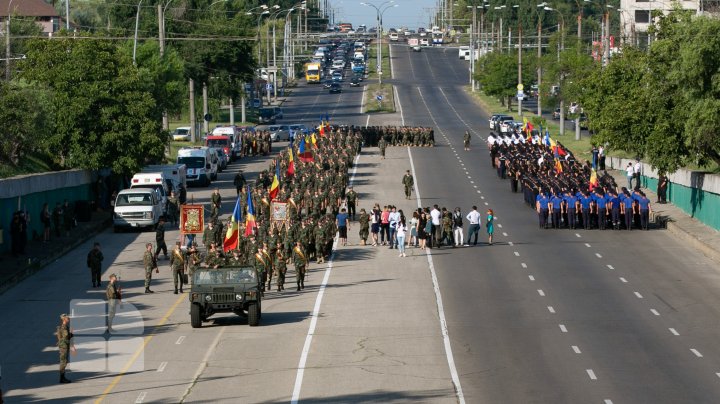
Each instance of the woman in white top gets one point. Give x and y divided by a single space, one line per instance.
400 230
413 229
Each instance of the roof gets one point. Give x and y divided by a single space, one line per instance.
27 8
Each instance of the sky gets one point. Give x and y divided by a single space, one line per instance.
408 13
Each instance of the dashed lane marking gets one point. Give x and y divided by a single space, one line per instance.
532 278
591 374
696 352
486 203
587 245
162 367
524 265
655 312
577 234
551 309
517 254
639 296
610 267
563 328
576 349
180 340
598 255
674 332
623 280
540 292
141 397
504 234
499 225
510 243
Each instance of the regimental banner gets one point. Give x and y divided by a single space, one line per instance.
278 211
192 219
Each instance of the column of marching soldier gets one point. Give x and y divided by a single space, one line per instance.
566 193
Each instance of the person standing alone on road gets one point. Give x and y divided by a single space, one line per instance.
466 140
94 262
215 204
341 221
160 239
352 198
489 225
113 295
64 342
408 181
457 220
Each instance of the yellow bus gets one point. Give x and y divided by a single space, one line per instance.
313 72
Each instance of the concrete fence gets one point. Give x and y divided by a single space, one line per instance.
30 192
697 193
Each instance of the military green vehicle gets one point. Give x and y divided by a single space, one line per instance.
225 290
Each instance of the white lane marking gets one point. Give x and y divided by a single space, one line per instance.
563 328
717 374
576 349
482 197
598 255
540 292
486 203
180 340
474 186
517 254
462 164
162 366
367 122
316 311
551 309
438 298
510 243
696 352
623 280
504 234
610 267
607 401
532 278
392 65
397 98
499 225
362 104
479 192
472 182
587 245
469 177
674 332
639 296
655 312
591 374
577 234
524 265
141 397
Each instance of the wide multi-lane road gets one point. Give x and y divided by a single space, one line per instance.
541 316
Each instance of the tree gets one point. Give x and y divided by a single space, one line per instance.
497 74
25 121
105 116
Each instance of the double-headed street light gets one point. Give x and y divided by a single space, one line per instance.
380 10
260 15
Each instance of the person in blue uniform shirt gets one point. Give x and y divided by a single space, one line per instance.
601 208
585 203
627 204
541 205
614 207
644 205
556 209
571 203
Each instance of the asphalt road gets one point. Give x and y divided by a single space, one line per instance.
541 316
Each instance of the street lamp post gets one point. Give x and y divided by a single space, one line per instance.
135 39
380 11
7 42
561 46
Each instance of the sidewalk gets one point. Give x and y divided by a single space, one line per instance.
38 254
680 224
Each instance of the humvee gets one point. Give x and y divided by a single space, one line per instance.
225 290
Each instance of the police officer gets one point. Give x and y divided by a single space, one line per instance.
177 264
300 262
150 263
65 344
408 181
94 262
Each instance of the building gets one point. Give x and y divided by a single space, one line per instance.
635 16
43 13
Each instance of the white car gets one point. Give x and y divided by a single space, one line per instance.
279 132
181 134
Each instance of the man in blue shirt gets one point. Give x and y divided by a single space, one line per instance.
571 209
556 209
614 206
541 206
644 205
627 209
585 206
601 205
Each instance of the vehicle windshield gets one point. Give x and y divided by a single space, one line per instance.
180 131
156 186
192 162
313 72
266 112
218 142
140 199
214 277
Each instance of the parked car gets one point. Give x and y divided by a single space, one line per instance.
496 118
181 134
266 116
222 158
279 132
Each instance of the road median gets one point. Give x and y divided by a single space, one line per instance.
380 98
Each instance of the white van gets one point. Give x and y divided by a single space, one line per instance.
464 52
201 164
136 207
156 181
176 177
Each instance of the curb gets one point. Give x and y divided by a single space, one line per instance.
693 241
38 265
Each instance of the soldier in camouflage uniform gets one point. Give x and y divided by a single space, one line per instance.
262 267
280 265
382 144
320 243
447 233
408 182
64 342
300 263
214 259
150 263
177 264
215 204
351 197
235 260
364 226
208 236
193 261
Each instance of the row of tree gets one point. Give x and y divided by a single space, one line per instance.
80 100
661 104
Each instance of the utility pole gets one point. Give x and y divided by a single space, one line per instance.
232 112
519 65
161 36
7 48
472 49
206 123
67 15
539 68
137 22
193 120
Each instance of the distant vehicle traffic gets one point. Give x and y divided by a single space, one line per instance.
181 134
335 88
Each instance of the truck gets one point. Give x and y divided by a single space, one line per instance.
175 177
225 290
313 72
413 41
136 208
235 146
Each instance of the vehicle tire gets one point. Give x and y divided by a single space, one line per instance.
253 314
195 318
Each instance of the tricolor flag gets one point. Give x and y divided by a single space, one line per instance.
547 138
313 139
232 236
250 218
558 165
291 163
275 186
593 179
305 156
